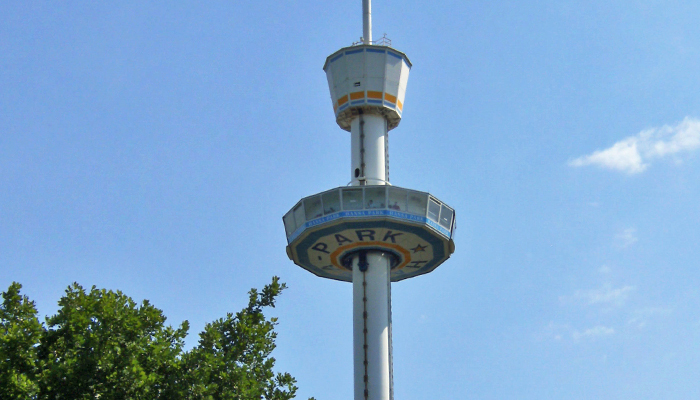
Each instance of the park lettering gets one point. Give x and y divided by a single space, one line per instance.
361 235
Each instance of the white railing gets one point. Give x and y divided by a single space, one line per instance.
382 41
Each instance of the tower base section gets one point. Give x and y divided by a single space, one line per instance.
371 286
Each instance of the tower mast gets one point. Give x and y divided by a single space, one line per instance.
369 233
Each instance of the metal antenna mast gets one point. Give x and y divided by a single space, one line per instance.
367 21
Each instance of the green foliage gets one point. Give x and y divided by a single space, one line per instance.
101 344
222 368
20 331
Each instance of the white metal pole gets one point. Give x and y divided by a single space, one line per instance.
371 287
368 158
367 21
371 270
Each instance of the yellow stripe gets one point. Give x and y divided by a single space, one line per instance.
357 95
374 95
342 100
390 98
398 103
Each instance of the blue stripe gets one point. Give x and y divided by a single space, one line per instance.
357 101
354 51
386 103
343 107
336 57
375 51
374 101
437 227
296 233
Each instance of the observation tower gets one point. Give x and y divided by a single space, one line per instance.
369 232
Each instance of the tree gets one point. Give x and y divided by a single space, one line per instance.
101 344
232 360
20 331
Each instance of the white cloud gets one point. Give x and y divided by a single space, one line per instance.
633 154
560 332
556 331
626 238
641 316
604 269
623 156
606 295
591 333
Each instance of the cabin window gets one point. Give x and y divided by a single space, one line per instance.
375 197
417 203
289 226
352 199
312 207
331 202
397 199
446 215
299 215
434 210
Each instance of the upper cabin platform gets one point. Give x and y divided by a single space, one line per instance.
367 78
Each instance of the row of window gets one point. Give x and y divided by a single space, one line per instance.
368 198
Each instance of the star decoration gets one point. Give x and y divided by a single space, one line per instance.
419 248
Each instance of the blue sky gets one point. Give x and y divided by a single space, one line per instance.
153 147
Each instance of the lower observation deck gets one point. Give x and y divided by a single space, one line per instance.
414 228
